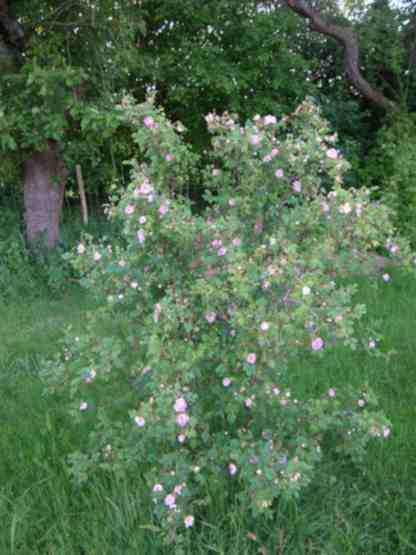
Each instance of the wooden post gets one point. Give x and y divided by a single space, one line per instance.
84 206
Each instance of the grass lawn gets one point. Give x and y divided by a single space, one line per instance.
346 511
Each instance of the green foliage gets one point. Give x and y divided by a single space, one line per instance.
391 166
205 312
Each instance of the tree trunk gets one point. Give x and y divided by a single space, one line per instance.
45 178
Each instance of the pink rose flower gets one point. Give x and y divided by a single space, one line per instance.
211 317
251 358
182 419
279 173
270 120
332 153
170 501
149 122
181 405
317 344
297 186
232 469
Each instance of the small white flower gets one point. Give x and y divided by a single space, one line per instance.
189 521
140 421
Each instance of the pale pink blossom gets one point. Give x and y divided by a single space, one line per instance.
297 186
134 285
372 344
164 208
226 382
270 120
211 317
331 392
251 358
129 209
216 172
97 256
142 220
332 153
180 405
81 248
181 438
149 121
345 208
168 157
306 291
317 344
157 488
386 277
274 152
140 421
182 419
145 188
248 403
279 173
83 405
360 402
189 521
170 501
325 206
141 236
236 242
264 326
267 158
222 251
255 140
232 469
386 431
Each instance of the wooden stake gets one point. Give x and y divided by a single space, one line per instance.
84 206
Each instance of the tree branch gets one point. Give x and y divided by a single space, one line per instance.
346 38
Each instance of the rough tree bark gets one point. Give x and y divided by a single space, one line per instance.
45 178
44 172
346 38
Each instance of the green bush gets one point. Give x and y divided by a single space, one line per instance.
204 312
391 166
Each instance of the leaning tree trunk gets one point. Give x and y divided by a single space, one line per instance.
45 178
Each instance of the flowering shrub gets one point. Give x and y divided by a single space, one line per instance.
205 311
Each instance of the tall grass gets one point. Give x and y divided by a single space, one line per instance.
346 511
